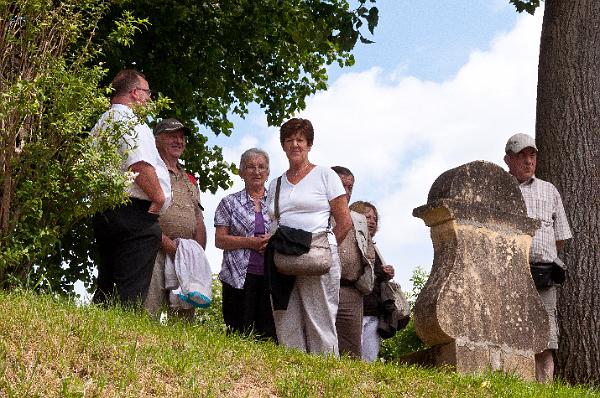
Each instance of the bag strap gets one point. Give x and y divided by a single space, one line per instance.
378 254
277 189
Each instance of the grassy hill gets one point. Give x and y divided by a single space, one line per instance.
49 347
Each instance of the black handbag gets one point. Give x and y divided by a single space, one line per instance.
542 274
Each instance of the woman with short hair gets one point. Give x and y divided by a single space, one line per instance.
308 196
372 307
242 230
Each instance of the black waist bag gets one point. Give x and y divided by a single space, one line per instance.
542 275
558 274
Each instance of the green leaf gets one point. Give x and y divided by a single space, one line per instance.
527 5
373 19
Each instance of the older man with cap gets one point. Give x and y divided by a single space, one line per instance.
183 218
128 236
543 203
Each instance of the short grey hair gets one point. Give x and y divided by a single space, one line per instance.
250 153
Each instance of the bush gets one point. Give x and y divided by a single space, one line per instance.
52 172
406 341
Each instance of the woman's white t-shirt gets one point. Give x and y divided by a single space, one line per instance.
306 204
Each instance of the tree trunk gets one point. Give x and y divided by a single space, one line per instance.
568 138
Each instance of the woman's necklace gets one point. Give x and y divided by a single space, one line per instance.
295 174
256 196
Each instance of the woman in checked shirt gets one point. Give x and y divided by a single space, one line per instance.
242 231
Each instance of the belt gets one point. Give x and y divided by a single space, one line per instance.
139 203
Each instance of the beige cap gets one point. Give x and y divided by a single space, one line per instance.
168 125
518 142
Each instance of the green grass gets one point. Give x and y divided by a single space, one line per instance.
49 347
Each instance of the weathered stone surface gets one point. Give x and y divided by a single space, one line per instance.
480 309
473 359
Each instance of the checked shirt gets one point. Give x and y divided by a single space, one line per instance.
236 211
544 203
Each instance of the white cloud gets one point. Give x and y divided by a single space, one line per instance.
398 133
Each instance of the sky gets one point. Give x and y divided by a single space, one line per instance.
446 83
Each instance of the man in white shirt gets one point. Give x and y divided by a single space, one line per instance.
129 236
543 203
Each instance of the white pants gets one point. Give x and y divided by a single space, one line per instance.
370 339
308 324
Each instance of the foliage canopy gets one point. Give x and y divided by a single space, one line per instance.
214 58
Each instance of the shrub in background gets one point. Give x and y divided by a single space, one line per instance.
406 340
52 172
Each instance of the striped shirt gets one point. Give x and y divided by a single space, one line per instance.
236 211
544 203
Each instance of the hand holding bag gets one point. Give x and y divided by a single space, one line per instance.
316 255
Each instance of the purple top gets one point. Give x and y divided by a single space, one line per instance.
256 264
236 211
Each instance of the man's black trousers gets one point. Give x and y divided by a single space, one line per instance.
128 239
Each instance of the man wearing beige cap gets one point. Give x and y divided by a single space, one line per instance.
183 218
543 203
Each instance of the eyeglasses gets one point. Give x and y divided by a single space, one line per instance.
259 169
146 90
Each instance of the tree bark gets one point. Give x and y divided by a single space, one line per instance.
568 139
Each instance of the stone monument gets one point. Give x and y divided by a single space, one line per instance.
480 310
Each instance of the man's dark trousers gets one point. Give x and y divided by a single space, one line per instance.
128 239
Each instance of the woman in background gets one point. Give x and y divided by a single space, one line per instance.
309 195
241 230
372 304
